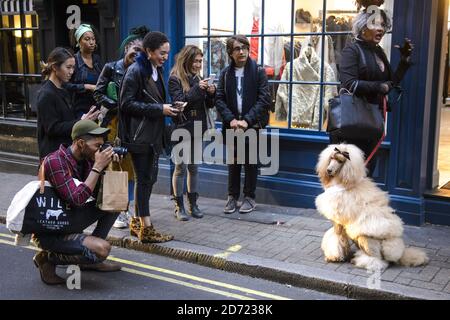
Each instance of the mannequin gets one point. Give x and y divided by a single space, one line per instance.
303 21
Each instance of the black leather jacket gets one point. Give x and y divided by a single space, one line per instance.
112 72
141 120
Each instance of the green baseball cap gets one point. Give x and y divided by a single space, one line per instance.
87 127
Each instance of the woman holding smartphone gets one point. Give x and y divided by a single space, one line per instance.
141 126
186 85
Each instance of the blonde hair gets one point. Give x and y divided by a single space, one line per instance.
183 65
57 57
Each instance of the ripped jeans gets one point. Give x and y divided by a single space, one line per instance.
67 249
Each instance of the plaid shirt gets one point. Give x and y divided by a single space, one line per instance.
60 169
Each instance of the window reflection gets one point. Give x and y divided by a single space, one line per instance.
298 44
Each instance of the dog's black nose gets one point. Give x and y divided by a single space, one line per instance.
329 171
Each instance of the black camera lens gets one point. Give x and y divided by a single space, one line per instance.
120 151
117 150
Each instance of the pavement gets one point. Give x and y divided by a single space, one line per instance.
280 244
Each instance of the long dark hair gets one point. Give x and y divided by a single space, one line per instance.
57 57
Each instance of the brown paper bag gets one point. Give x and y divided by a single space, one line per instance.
113 194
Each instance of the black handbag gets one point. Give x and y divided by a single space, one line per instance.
46 213
354 117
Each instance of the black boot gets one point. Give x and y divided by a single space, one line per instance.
193 209
180 212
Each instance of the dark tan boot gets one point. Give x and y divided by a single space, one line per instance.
47 269
101 267
150 235
135 227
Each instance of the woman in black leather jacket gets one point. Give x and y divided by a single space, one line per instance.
141 126
375 77
106 96
186 84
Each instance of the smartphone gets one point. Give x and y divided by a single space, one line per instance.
211 79
180 105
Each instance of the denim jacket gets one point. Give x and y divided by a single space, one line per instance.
82 99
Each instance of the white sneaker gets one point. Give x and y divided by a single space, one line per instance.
121 221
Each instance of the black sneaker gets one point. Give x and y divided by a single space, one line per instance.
248 205
231 205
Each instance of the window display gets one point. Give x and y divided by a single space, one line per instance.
300 49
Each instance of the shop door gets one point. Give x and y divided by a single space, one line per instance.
444 134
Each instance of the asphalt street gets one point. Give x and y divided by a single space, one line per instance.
144 276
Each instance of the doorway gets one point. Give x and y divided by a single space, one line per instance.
444 134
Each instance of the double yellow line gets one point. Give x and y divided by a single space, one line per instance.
197 283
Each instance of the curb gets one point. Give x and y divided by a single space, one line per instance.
236 265
285 273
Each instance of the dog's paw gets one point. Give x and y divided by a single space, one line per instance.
373 264
335 259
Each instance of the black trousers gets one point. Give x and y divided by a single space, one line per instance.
146 175
366 146
251 174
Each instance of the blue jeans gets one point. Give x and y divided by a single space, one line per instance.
68 248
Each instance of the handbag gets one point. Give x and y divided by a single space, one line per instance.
351 116
37 208
111 91
113 193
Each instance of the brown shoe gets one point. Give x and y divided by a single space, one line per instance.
47 269
135 226
150 235
101 267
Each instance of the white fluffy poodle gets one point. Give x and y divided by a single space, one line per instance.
360 212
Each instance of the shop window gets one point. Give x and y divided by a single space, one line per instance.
19 65
299 43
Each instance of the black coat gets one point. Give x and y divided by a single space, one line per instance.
256 96
112 72
55 118
369 74
197 100
141 120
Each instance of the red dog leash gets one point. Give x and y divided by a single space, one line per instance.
384 132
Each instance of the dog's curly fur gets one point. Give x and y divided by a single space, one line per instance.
361 213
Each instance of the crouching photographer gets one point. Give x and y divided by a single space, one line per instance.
74 172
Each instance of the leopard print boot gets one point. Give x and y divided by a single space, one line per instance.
135 227
150 235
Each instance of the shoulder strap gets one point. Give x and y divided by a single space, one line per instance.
41 176
362 59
